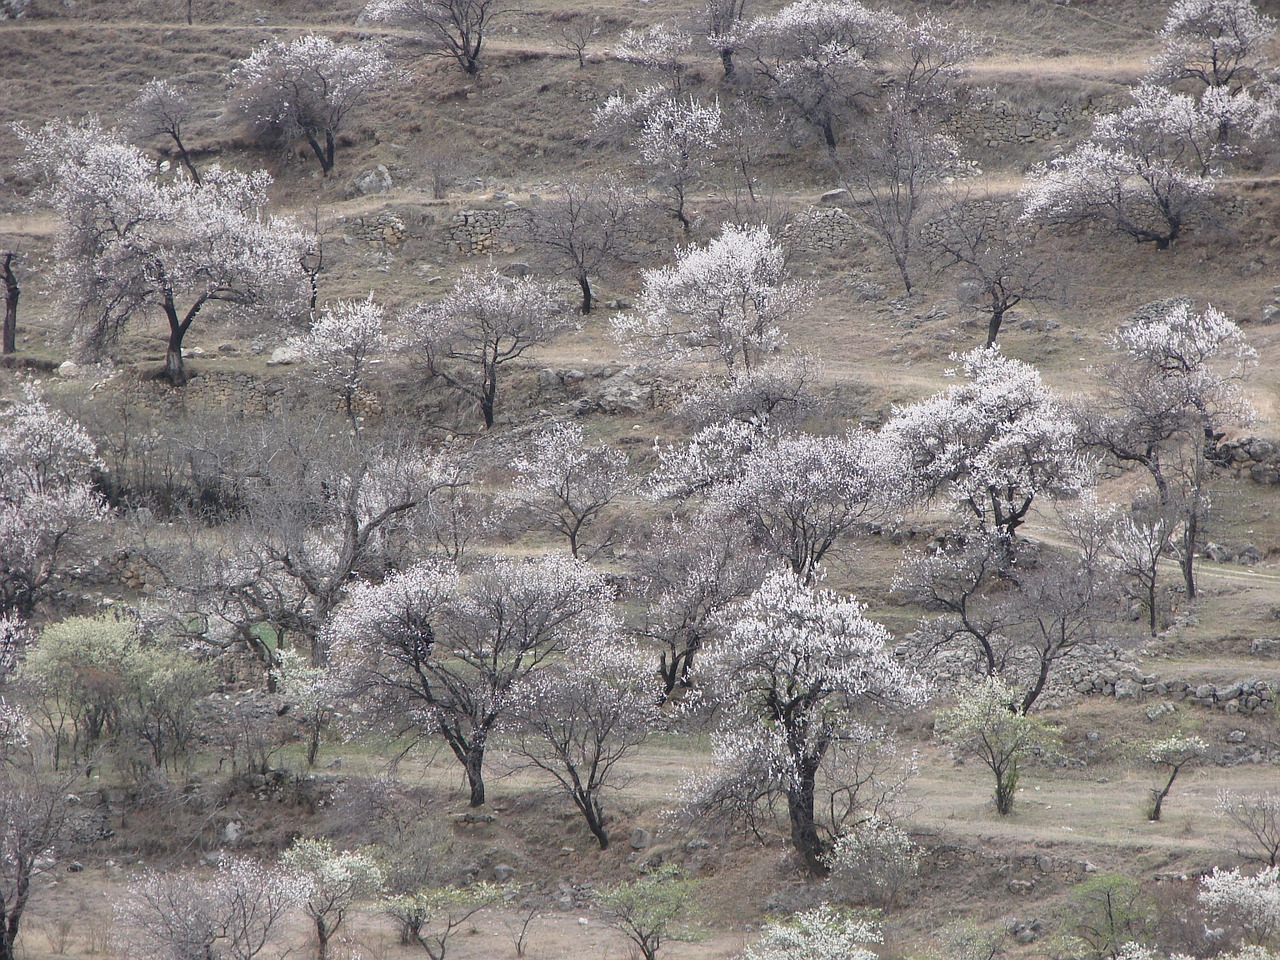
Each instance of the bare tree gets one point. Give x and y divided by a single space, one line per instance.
33 821
584 225
896 162
162 111
456 28
576 31
998 263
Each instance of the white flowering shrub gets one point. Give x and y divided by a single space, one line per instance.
234 914
824 933
729 301
314 694
873 863
1172 753
1252 902
985 723
332 883
429 917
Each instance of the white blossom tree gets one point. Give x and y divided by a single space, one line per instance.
307 89
442 653
343 341
795 666
1172 754
815 57
453 28
1220 46
660 47
1146 170
566 485
1177 385
722 22
130 240
800 495
676 137
313 695
729 301
163 111
992 444
986 723
48 506
486 322
231 915
332 882
576 724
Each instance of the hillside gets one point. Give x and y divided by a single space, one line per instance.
217 492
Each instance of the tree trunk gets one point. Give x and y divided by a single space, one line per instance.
804 825
1157 796
11 294
325 156
595 820
174 370
726 61
1006 787
828 133
185 157
323 933
475 773
1188 559
488 397
993 325
585 284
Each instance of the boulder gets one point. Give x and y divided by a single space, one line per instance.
640 838
282 356
377 180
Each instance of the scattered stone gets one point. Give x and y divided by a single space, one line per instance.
75 866
1158 710
232 831
1237 736
832 196
503 872
68 368
282 356
640 838
1021 886
517 270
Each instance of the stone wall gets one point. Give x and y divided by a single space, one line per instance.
987 119
478 232
1251 457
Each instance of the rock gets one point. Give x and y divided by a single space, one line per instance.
1158 710
1021 886
1204 691
1270 313
232 831
1126 690
377 180
621 394
68 368
503 872
282 356
1249 555
1265 647
832 196
517 270
1218 553
1237 736
640 838
75 866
